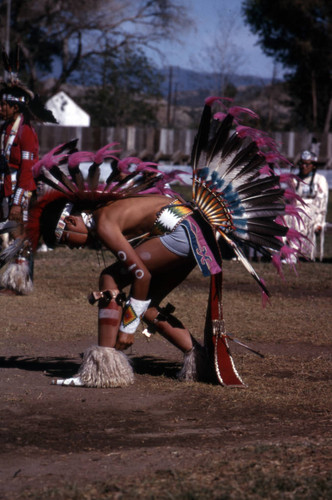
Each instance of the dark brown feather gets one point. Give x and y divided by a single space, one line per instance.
201 138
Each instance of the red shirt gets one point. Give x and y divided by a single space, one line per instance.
26 142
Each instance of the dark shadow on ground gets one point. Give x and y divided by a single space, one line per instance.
52 365
67 367
156 367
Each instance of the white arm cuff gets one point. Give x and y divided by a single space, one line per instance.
132 313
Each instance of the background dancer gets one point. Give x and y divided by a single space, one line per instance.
19 152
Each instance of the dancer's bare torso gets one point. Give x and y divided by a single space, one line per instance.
123 220
131 217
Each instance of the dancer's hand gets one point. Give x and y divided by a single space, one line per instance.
15 213
124 341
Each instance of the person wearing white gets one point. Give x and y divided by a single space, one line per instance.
313 188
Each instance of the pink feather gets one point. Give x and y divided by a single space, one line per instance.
295 212
105 152
260 137
287 178
274 157
288 254
36 169
294 236
174 175
279 220
266 170
80 157
276 261
265 297
219 116
124 164
212 99
291 195
238 110
51 161
48 160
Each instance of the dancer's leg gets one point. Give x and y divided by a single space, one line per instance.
109 314
168 271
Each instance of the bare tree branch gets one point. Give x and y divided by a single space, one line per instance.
70 30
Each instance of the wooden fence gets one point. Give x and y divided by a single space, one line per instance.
169 146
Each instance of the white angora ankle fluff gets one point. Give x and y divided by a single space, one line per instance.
105 367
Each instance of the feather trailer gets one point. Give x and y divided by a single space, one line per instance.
234 186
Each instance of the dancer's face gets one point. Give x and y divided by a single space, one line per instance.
8 112
75 234
306 167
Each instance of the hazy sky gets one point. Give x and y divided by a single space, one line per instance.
208 14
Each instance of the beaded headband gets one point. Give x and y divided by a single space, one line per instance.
62 224
9 97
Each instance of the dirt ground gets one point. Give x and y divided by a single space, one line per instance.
160 438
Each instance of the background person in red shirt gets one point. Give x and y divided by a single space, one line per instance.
18 153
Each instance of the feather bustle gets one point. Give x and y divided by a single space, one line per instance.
235 186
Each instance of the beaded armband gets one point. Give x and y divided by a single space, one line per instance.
19 197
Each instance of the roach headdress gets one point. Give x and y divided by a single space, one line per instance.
86 181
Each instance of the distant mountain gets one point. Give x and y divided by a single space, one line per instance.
186 80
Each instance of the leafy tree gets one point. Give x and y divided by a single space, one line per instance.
123 89
59 34
298 34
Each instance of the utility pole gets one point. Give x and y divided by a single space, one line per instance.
174 104
169 97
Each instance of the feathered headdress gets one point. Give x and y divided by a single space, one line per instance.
13 90
88 180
